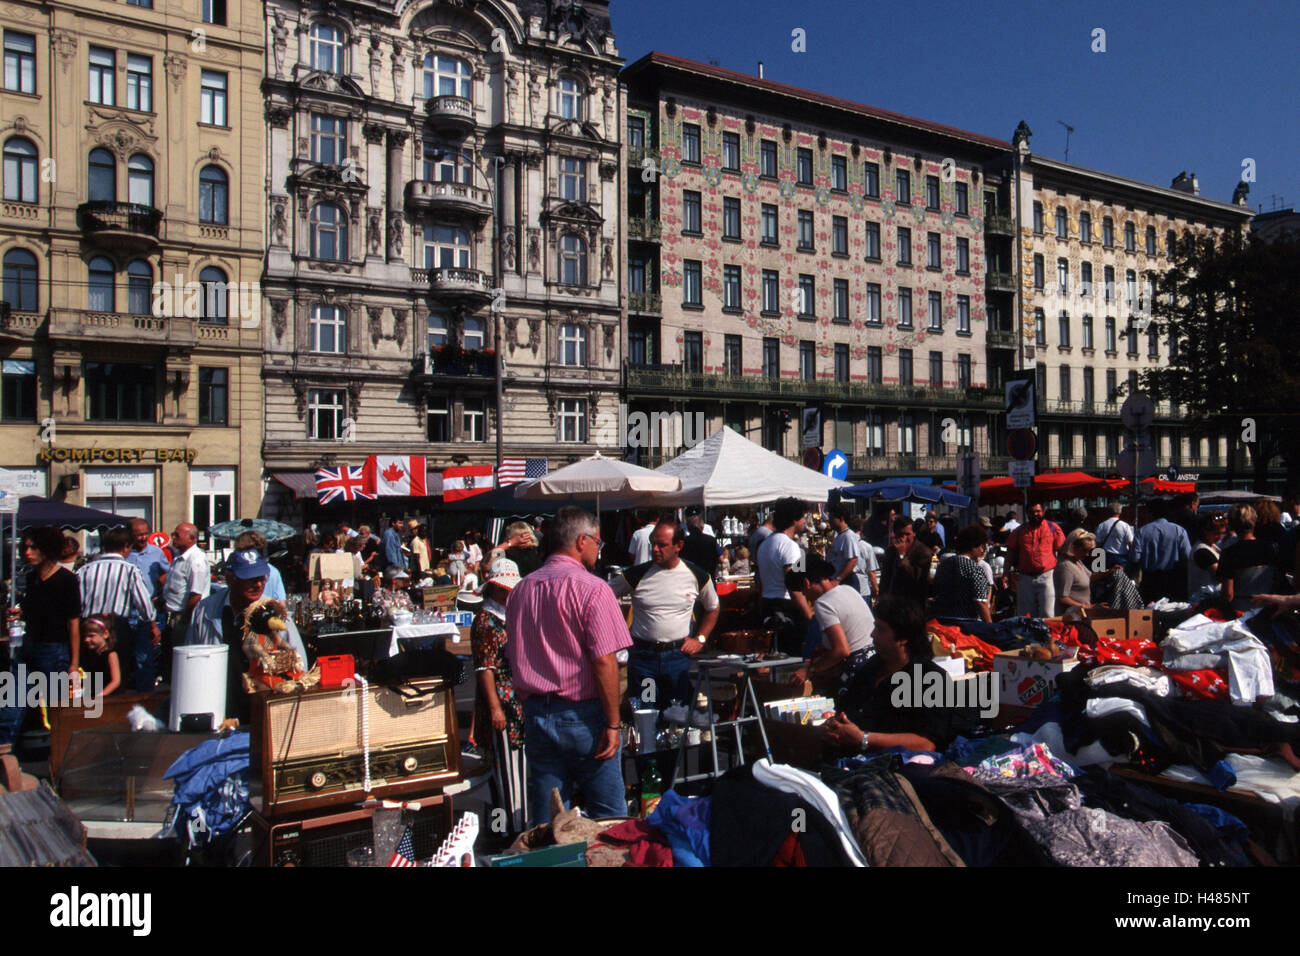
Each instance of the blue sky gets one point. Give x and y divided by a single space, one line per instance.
1193 85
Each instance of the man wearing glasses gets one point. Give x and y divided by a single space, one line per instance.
565 629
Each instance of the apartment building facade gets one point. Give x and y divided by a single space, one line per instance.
442 210
131 240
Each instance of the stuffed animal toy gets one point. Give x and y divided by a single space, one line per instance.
273 661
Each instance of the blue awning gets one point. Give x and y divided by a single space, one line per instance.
903 491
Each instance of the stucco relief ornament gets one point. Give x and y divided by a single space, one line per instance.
399 327
279 226
376 65
376 328
395 234
277 318
373 229
508 249
534 249
399 72
279 43
607 259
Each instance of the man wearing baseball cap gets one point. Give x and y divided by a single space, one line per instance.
219 619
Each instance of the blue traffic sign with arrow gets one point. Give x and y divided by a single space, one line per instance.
836 464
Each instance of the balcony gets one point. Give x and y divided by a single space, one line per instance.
452 362
123 226
451 116
1000 282
637 155
1000 225
84 325
451 281
19 325
1058 406
448 199
651 302
1001 339
639 227
674 380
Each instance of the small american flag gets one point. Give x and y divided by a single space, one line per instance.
514 470
404 855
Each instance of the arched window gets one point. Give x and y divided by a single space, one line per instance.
213 303
446 76
139 287
569 104
329 232
573 260
20 280
139 180
475 336
326 48
214 196
446 247
101 173
20 170
100 286
573 344
328 329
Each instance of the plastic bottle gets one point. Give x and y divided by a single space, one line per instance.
652 788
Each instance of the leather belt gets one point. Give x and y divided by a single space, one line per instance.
659 647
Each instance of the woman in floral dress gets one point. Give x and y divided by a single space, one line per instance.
495 704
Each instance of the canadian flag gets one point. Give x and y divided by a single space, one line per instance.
468 480
395 475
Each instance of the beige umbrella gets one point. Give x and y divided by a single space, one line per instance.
626 483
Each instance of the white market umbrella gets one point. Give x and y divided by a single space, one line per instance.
597 476
729 469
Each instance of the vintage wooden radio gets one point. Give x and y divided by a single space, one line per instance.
311 750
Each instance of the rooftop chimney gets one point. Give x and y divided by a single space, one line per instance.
1186 184
760 69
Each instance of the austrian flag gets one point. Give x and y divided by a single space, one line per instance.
396 475
458 483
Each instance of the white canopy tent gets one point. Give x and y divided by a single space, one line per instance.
619 483
729 469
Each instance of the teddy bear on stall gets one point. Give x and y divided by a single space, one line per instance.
273 661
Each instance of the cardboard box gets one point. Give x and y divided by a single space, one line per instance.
955 666
1027 683
1123 625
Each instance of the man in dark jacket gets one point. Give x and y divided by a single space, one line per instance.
1183 513
700 549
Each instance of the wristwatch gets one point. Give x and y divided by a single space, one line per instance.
865 738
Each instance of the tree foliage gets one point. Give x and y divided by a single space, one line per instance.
1232 305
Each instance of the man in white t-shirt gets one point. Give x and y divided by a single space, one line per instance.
844 554
845 620
639 546
664 632
777 554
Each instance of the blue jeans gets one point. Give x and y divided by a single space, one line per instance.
146 655
560 739
46 657
669 674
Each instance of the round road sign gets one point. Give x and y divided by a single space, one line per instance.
1022 444
812 458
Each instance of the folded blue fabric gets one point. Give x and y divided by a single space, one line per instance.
1229 827
1222 775
685 822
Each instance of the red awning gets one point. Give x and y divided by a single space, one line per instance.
301 483
1158 486
1048 487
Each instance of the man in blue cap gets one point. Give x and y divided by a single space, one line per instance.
219 619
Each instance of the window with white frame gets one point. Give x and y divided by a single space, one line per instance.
328 235
906 434
443 165
573 260
840 300
446 76
573 179
573 344
873 303
904 308
20 170
771 290
101 285
325 412
214 303
214 196
963 314
731 151
139 286
139 180
570 105
873 240
692 282
572 420
963 256
474 334
439 422
20 62
212 98
936 311
326 48
328 329
932 251
473 420
731 287
839 173
690 143
329 143
446 247
139 82
769 220
103 65
435 330
20 280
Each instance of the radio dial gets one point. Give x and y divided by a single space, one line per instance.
409 764
317 780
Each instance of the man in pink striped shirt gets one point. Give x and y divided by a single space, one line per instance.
565 627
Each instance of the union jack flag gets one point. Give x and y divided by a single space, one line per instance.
344 483
404 855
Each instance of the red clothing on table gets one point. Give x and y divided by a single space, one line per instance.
1034 549
560 618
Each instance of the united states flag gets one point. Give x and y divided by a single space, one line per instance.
344 483
404 855
514 470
